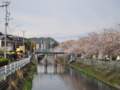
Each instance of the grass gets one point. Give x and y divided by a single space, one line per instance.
24 78
16 79
12 85
111 81
28 81
20 74
8 76
95 72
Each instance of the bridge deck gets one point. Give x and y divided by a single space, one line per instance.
50 53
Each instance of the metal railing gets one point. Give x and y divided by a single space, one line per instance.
12 67
113 65
51 50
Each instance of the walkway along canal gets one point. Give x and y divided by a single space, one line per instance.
61 77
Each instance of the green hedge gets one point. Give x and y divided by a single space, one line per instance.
3 61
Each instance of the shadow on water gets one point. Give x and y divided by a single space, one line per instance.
52 76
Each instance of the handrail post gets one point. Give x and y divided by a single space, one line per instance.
14 66
5 72
20 64
17 65
10 68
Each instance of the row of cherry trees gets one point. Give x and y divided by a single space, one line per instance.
100 43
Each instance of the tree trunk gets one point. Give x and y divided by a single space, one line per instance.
110 58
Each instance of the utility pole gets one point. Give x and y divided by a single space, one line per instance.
17 39
23 43
34 45
50 45
41 45
16 43
6 24
30 47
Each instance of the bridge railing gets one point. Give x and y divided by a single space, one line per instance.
51 50
11 68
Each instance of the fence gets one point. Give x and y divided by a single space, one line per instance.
12 67
113 65
50 50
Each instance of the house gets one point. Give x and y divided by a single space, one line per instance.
12 42
9 42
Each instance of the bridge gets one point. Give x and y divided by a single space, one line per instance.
45 52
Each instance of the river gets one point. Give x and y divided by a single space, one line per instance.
61 77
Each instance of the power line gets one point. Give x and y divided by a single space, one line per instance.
9 29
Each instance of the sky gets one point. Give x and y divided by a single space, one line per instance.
60 19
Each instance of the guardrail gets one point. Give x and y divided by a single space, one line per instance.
12 67
113 65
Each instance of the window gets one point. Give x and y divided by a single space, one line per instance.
2 44
9 45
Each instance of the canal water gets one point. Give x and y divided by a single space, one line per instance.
52 76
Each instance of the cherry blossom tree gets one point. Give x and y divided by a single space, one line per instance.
105 42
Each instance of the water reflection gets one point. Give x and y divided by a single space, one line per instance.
45 68
52 76
55 68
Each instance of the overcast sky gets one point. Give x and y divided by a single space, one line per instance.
60 19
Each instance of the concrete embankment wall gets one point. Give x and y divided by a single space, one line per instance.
34 57
108 76
63 59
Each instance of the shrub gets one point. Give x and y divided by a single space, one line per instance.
3 62
104 59
114 57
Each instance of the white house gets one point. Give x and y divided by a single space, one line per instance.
9 42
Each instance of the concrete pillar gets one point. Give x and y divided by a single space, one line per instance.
45 58
67 58
55 58
32 57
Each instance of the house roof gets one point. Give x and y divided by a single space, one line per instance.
12 36
1 37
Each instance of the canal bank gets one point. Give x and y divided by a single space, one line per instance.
110 77
21 79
